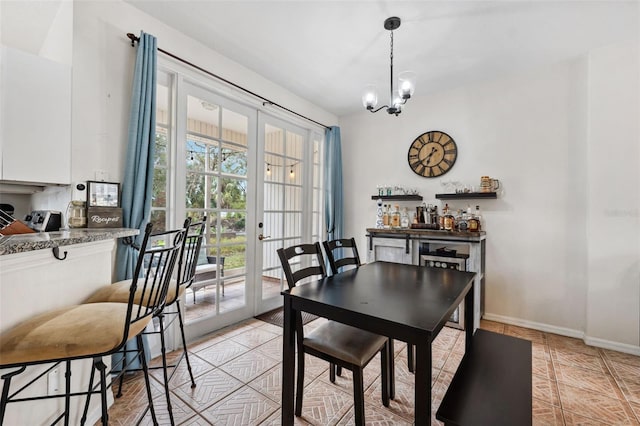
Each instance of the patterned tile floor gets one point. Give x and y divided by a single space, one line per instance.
238 373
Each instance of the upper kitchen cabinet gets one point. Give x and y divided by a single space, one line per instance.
35 119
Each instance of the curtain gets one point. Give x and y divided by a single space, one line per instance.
138 176
333 207
137 183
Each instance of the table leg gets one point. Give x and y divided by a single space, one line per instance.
469 317
392 370
288 362
423 383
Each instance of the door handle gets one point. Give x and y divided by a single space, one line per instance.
262 237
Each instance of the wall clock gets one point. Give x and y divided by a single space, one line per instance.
432 154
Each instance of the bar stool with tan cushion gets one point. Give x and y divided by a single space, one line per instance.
91 330
118 292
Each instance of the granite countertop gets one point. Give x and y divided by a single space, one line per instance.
429 233
41 240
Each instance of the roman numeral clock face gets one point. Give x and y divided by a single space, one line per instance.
432 154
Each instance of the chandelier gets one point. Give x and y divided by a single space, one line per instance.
406 82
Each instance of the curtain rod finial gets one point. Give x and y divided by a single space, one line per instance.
133 38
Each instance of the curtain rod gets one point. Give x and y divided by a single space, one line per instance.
265 101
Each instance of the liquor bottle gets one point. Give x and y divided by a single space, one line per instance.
404 218
379 214
449 220
385 216
445 211
395 217
462 222
478 217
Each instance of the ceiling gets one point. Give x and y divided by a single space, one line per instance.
327 51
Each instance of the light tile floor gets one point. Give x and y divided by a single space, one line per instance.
238 380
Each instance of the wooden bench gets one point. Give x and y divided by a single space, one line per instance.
492 385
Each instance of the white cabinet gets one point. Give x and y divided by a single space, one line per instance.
35 119
35 282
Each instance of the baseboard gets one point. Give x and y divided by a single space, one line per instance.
563 331
614 346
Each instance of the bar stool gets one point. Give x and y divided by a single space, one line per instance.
187 262
92 331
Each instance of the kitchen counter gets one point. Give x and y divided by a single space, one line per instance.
22 243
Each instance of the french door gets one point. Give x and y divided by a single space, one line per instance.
289 203
255 177
216 138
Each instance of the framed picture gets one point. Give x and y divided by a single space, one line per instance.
103 194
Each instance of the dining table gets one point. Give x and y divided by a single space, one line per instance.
409 303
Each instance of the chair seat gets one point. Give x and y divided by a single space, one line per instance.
119 292
344 342
70 332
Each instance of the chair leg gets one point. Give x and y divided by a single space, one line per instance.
184 345
122 372
338 370
102 368
67 394
300 383
332 373
83 420
5 390
386 385
358 396
145 369
163 350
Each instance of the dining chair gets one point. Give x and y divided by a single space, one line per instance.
92 330
337 343
187 261
344 252
337 253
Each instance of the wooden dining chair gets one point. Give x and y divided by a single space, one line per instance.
341 253
338 253
339 344
92 330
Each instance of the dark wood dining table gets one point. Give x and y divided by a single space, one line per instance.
405 302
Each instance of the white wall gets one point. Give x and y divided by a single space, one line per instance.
613 223
532 132
103 63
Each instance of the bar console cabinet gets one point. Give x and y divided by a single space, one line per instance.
406 246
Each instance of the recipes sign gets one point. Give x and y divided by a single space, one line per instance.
104 217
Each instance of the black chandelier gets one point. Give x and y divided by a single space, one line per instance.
406 82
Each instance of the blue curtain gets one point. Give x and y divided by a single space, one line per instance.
137 183
138 176
333 202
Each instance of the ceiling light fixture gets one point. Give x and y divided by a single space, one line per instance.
406 81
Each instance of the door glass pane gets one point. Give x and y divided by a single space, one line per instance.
216 185
195 191
234 160
234 127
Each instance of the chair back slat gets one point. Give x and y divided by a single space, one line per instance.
190 251
156 261
341 246
293 252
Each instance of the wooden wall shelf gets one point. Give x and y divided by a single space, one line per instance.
467 195
398 197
